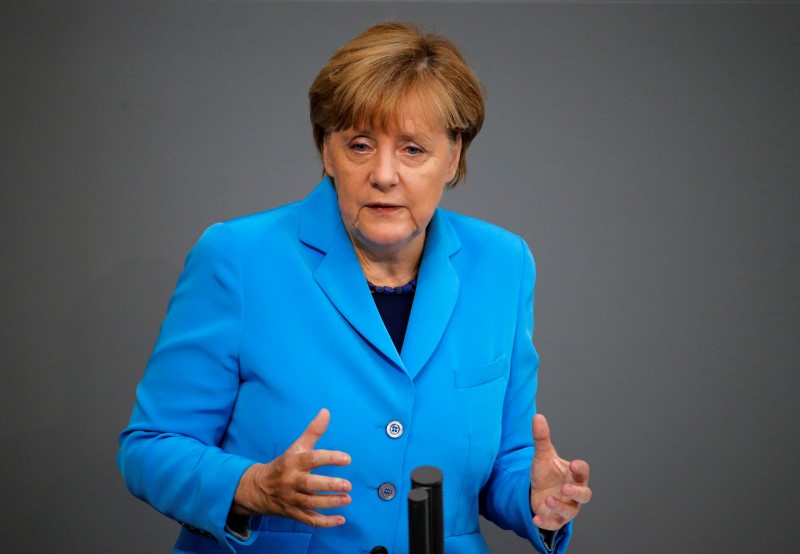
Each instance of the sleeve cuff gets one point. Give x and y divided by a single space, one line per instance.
548 538
239 527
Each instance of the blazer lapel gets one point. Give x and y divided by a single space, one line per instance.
339 274
436 295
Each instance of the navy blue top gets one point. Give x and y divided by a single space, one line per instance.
395 309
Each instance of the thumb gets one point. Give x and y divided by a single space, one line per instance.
542 447
312 433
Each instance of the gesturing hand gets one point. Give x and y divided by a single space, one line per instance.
286 487
558 488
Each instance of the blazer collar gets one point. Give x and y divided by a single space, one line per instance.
340 276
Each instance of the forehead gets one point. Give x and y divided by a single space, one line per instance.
411 115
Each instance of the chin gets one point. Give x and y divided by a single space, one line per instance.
389 240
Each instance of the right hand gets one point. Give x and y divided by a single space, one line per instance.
286 487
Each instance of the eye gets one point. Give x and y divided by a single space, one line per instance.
359 147
414 150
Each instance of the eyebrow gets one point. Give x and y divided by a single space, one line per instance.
418 136
403 136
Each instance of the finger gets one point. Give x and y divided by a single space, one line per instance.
541 437
312 433
576 493
313 459
580 471
316 520
319 483
550 524
314 502
561 510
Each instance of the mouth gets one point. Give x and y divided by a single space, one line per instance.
384 209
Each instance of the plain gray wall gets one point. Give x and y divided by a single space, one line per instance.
647 152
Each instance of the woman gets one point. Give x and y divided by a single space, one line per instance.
400 331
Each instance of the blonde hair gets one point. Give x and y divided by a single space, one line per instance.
368 80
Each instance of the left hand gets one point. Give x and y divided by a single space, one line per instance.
558 488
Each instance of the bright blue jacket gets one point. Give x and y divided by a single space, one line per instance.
271 320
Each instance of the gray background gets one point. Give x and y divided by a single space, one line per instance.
647 152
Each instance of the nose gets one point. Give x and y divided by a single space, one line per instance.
384 169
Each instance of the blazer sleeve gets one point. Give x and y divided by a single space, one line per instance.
169 453
505 499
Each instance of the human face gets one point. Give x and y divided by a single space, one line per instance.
390 180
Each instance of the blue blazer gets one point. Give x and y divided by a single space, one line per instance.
271 320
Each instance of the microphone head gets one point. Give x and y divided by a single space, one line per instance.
426 476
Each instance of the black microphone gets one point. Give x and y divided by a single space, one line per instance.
425 502
419 522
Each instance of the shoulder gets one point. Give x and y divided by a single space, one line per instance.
491 258
254 229
482 238
269 221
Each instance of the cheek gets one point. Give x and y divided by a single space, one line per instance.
427 203
348 202
345 205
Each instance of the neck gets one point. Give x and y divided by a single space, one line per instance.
392 268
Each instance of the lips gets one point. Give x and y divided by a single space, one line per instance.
383 209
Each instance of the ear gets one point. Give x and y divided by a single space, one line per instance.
455 157
326 157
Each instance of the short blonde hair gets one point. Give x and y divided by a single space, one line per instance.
368 79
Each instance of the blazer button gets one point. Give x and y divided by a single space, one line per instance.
379 550
394 429
387 491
